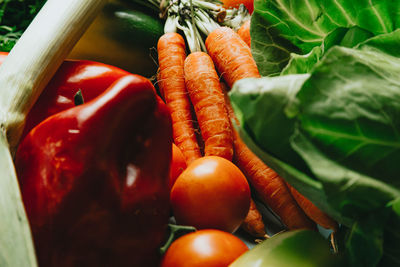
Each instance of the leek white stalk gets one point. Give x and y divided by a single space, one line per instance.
23 75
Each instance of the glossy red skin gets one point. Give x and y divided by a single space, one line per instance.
210 248
92 78
94 179
211 193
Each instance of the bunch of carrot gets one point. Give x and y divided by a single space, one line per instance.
202 120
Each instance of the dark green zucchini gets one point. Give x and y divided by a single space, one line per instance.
122 35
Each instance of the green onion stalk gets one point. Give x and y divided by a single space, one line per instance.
196 19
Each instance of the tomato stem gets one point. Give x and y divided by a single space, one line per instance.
175 231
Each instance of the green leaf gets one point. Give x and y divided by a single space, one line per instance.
303 182
281 27
334 134
260 105
267 98
364 244
347 37
336 137
350 193
302 63
354 36
350 109
391 245
387 43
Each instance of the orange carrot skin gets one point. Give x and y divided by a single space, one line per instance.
253 223
244 32
171 58
313 211
228 106
231 55
205 92
270 187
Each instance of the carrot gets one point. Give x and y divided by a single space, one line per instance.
171 58
268 185
244 32
313 211
253 223
202 83
231 55
228 105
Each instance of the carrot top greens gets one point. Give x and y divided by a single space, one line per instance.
196 18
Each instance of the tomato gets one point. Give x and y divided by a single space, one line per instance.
236 3
211 248
211 193
178 164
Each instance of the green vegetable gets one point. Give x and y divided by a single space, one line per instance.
300 248
132 26
124 35
15 16
336 129
302 63
330 123
281 28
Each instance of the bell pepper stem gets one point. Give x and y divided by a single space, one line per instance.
78 98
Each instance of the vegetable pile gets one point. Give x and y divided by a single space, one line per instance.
195 88
289 108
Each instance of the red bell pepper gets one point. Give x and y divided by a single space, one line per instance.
92 78
94 178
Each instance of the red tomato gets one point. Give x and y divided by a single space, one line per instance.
236 3
178 164
211 248
211 193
